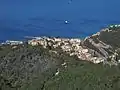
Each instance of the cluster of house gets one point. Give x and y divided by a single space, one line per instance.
116 26
11 42
70 46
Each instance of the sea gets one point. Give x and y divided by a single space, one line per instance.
63 18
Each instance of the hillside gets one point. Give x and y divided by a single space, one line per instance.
27 67
105 44
21 65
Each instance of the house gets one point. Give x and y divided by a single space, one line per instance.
116 25
14 42
33 42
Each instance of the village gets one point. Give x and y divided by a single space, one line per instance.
70 46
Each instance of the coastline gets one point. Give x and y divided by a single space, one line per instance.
92 48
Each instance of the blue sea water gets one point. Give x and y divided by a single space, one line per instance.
19 18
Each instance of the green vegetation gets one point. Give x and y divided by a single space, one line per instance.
86 76
112 38
33 68
26 67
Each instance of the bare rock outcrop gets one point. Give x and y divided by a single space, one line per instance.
104 45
